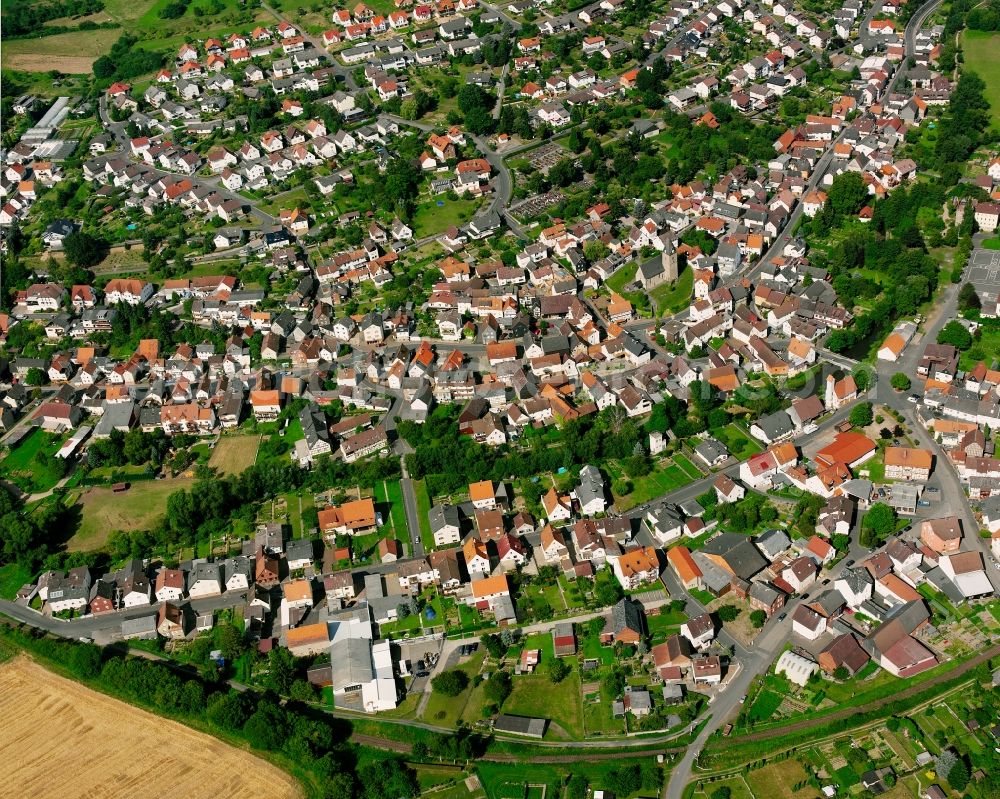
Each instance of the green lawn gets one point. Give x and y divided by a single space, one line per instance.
985 346
764 706
389 493
572 596
398 628
737 789
598 718
703 597
12 577
535 695
664 625
135 509
692 471
446 710
620 279
294 517
592 649
31 464
982 56
430 219
504 781
286 200
739 443
675 296
654 484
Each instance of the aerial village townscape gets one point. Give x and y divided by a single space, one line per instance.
546 399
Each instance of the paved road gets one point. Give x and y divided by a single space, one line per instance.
108 626
342 72
766 644
953 497
117 130
416 543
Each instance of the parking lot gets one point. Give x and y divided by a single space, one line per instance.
983 271
421 656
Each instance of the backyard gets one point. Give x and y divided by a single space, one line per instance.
388 494
138 508
536 695
436 216
234 454
32 465
665 477
444 710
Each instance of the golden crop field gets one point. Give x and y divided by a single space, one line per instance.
63 739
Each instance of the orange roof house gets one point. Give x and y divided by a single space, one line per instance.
849 448
723 378
891 347
907 460
308 639
483 494
684 565
351 517
149 348
489 587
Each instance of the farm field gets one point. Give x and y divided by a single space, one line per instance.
233 454
72 53
200 766
982 56
135 509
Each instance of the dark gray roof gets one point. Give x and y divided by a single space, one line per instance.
520 725
299 548
764 593
444 516
776 425
627 615
314 425
743 558
773 542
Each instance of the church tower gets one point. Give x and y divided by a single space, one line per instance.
669 260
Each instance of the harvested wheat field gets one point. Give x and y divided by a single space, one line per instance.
61 739
234 454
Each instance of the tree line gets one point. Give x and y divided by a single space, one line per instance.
22 16
125 60
449 461
316 745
